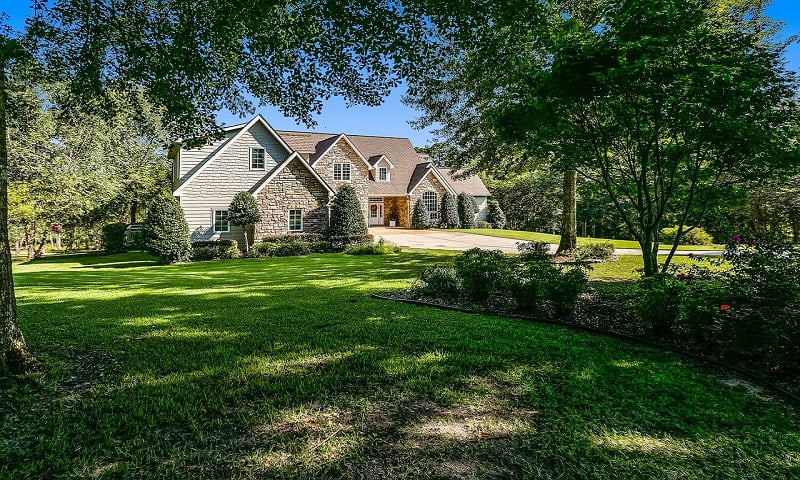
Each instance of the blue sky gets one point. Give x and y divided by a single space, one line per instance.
392 117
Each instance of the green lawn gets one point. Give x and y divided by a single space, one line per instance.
549 238
285 368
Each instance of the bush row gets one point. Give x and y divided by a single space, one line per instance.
215 250
529 282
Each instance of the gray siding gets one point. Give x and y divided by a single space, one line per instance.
200 217
191 158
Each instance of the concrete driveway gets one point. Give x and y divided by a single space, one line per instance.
443 240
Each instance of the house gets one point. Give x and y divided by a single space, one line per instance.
294 176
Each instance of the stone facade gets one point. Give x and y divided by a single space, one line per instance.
294 187
402 209
428 184
341 152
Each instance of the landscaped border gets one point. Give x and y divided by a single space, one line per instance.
792 397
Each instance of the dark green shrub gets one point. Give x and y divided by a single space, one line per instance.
215 250
541 287
293 237
112 238
292 249
339 243
449 217
439 281
419 217
658 301
565 290
284 248
244 211
347 218
592 251
382 247
466 210
165 232
483 273
696 236
495 215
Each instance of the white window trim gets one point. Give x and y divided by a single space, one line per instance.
214 220
378 174
349 172
264 158
289 220
432 214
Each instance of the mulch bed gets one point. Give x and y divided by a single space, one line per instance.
610 314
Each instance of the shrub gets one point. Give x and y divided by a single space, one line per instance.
483 273
112 238
495 215
696 236
346 216
293 237
541 287
439 281
592 251
165 232
482 224
658 301
466 210
419 218
215 250
382 247
244 211
339 243
449 212
287 249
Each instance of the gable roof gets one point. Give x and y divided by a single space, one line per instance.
274 173
375 159
421 171
469 184
325 146
230 141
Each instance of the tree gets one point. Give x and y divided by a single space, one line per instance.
659 102
419 217
192 61
450 212
166 233
531 200
466 210
347 219
244 211
569 227
495 215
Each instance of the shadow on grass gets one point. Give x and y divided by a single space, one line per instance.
284 368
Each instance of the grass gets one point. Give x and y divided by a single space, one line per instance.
550 238
285 368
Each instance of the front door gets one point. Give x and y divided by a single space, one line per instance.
376 213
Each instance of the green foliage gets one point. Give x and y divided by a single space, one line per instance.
346 215
466 210
449 215
215 250
658 301
592 251
113 238
165 231
293 237
419 217
495 215
341 242
540 287
695 236
439 281
292 245
244 211
381 247
483 273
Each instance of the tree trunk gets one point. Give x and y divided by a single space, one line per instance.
569 228
134 211
15 357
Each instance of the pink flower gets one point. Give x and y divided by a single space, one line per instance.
736 239
724 307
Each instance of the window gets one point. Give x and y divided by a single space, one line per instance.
341 171
431 201
383 174
221 221
256 159
295 220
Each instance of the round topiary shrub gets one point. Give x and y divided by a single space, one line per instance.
449 213
495 215
466 210
347 219
244 211
166 233
419 218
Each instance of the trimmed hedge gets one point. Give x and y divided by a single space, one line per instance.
112 238
165 231
466 210
419 218
449 215
293 237
495 215
289 249
215 250
347 218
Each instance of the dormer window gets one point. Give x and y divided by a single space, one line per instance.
383 174
341 172
257 159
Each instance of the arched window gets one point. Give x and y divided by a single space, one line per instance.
431 200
